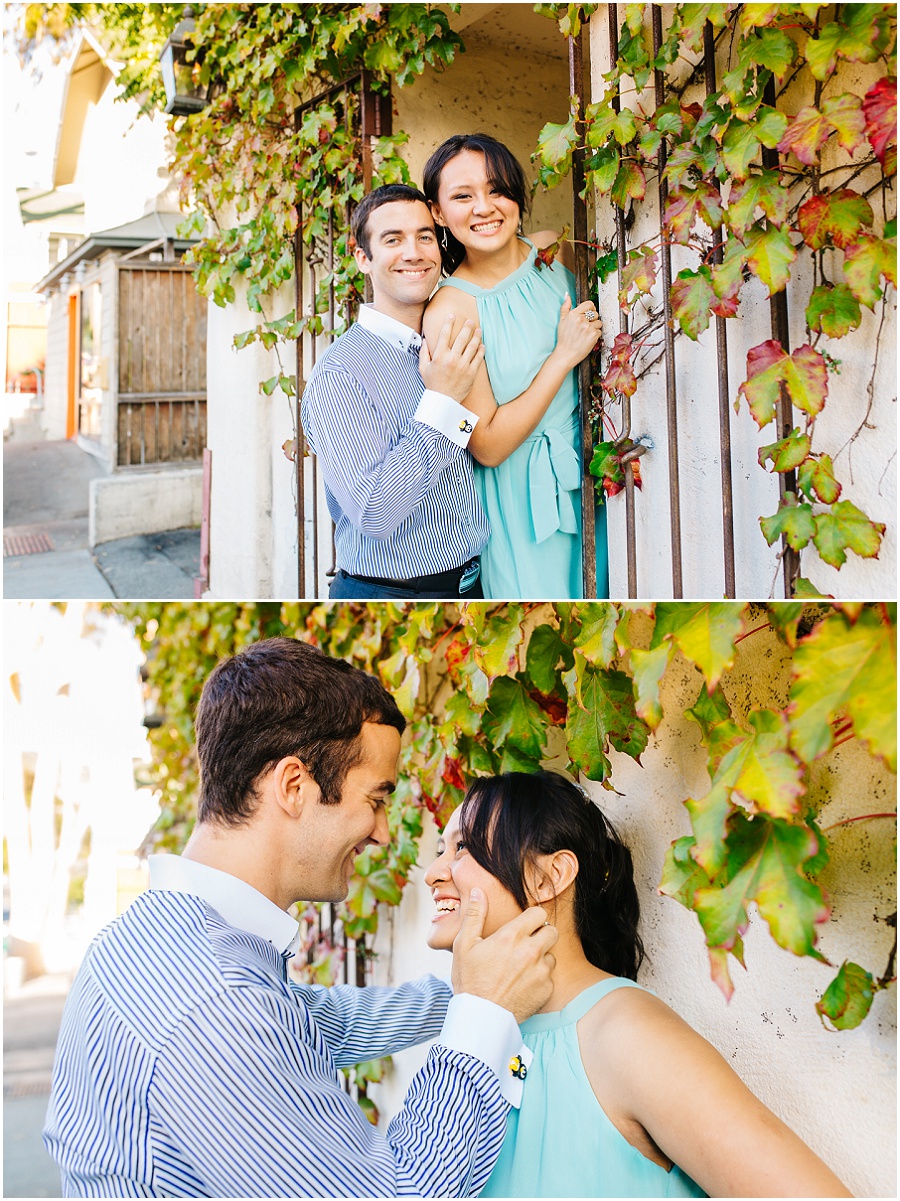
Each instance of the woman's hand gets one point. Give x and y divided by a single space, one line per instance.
577 333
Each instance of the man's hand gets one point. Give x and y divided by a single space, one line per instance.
453 364
513 966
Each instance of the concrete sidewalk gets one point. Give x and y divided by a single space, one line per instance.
45 535
31 1016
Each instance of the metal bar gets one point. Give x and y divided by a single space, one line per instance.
784 416
625 434
709 55
579 237
315 465
300 439
659 83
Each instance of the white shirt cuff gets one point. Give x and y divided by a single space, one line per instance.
488 1032
446 416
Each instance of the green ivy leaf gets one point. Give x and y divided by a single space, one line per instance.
639 274
647 669
719 733
513 719
758 771
867 260
794 520
766 860
602 714
788 453
784 618
841 667
845 115
630 184
497 649
771 49
547 654
848 998
556 143
763 190
817 479
770 253
692 299
847 528
834 310
704 632
596 640
682 876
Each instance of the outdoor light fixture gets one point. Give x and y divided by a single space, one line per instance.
183 96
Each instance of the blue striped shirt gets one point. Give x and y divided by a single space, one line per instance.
187 1065
401 493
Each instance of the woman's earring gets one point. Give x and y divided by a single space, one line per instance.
444 236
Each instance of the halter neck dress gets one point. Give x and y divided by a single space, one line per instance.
561 1143
533 498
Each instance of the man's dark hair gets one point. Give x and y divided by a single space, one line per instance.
386 194
275 698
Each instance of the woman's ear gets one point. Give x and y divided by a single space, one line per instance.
436 212
551 875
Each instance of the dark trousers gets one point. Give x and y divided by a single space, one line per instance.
347 587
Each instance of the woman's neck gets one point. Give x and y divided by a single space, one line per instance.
491 267
572 974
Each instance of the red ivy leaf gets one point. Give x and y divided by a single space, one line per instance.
684 206
839 216
768 367
451 773
556 709
880 109
805 135
620 375
640 274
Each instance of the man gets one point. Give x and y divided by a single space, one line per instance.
187 1063
382 415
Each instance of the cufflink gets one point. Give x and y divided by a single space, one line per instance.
465 427
517 1068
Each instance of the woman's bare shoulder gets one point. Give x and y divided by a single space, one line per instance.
449 300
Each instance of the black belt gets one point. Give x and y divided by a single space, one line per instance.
441 581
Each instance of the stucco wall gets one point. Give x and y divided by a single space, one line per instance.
867 469
837 1090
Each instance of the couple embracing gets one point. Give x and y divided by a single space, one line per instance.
446 420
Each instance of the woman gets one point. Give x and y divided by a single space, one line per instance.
623 1098
527 442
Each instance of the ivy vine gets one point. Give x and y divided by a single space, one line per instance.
746 212
491 688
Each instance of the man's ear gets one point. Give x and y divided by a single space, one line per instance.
551 875
292 786
362 260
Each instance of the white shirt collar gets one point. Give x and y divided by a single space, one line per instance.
239 903
388 328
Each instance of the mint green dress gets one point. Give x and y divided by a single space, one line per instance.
561 1143
533 498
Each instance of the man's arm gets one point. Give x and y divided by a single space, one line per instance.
246 1094
376 484
366 1023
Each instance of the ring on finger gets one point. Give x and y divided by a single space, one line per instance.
591 315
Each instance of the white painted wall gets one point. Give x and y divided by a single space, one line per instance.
253 522
837 1090
869 479
121 164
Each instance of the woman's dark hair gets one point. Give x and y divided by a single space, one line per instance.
279 697
504 173
507 821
